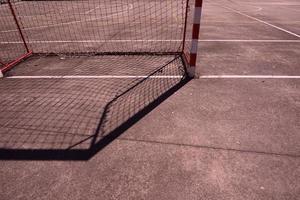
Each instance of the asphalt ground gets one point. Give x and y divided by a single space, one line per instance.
231 134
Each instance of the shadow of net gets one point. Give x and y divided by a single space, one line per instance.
73 116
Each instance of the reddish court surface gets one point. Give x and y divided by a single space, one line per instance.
231 134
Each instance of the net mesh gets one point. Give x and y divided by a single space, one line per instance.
88 26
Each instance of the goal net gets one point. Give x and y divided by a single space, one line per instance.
95 27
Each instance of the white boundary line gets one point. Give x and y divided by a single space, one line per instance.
93 77
274 3
248 77
120 41
264 22
91 10
237 40
159 77
90 41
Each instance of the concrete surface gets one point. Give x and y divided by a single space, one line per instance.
214 138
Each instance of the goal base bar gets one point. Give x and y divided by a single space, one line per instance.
107 53
10 65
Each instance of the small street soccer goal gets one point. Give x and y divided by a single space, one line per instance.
78 73
99 27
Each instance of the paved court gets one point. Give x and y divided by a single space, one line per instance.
231 134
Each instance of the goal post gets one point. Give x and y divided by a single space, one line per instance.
99 27
195 38
191 39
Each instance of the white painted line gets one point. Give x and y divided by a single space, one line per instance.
271 41
18 3
264 22
251 22
87 12
248 77
275 3
89 41
93 77
255 8
120 41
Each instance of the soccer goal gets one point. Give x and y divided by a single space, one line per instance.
99 27
78 73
